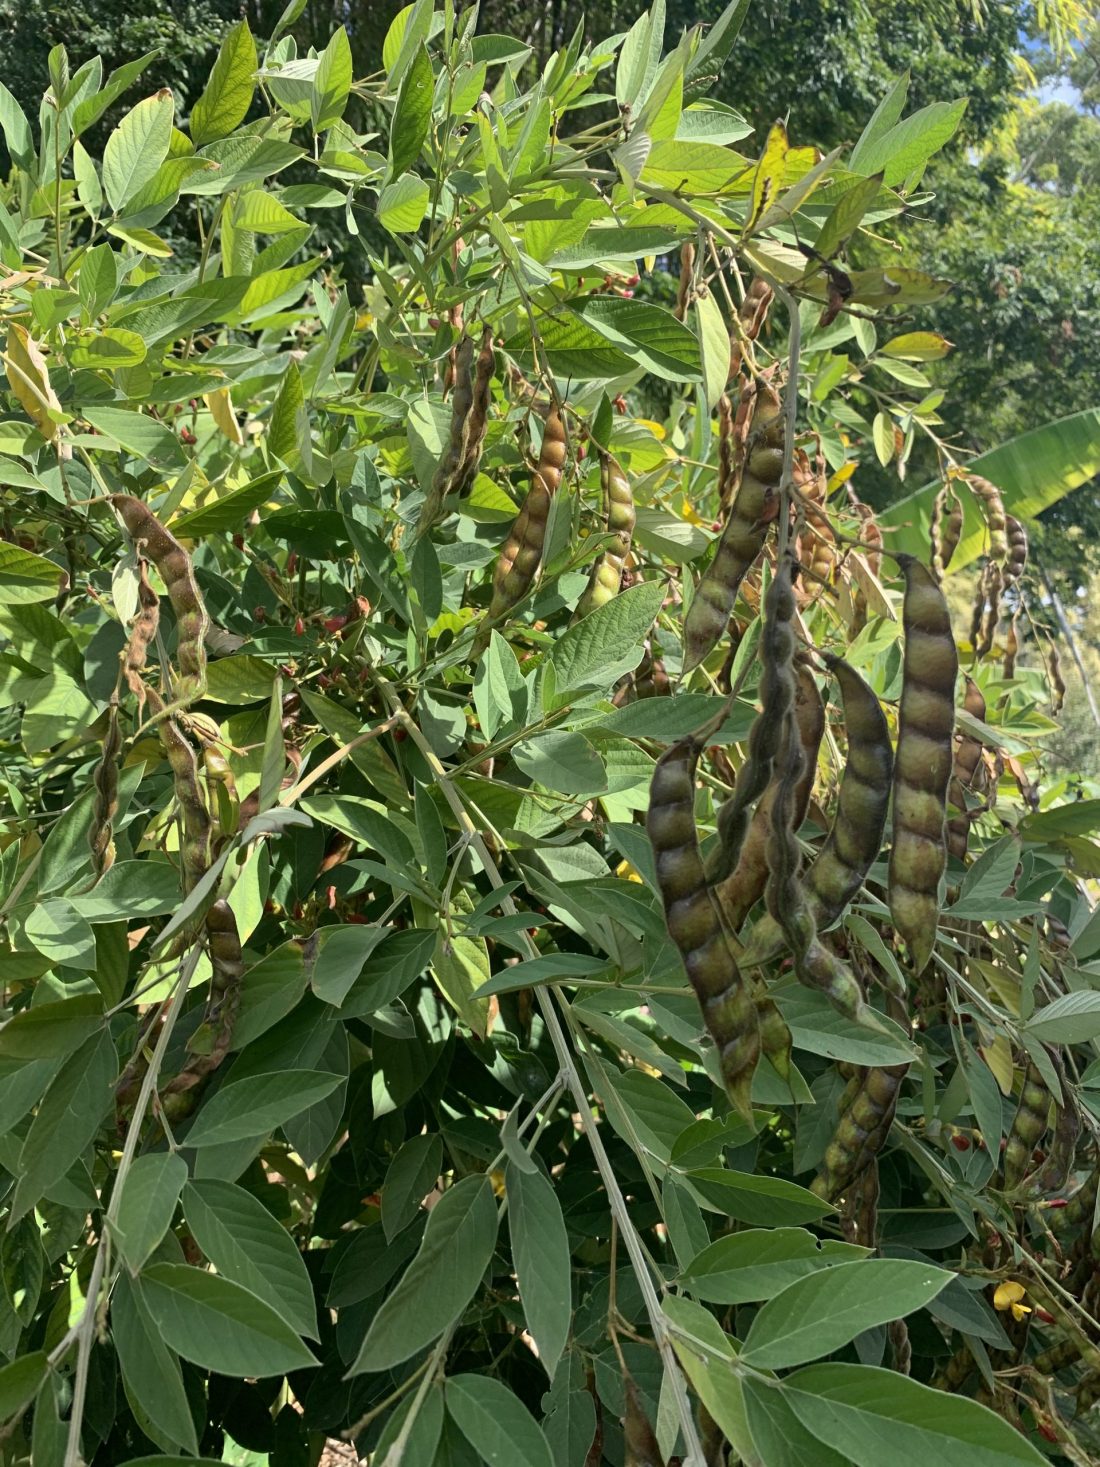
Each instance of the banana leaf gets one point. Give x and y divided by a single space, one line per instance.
1032 472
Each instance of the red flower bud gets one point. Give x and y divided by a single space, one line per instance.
299 627
961 1143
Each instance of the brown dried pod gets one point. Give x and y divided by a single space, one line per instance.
743 536
639 1439
521 555
453 454
967 774
178 575
105 804
695 924
1057 681
740 891
993 508
1016 560
752 315
143 631
1012 648
606 575
922 765
946 529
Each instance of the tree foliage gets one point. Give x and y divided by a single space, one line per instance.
351 1079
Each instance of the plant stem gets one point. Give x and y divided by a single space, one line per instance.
694 1453
84 1329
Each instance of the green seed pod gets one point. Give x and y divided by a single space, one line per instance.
993 507
177 573
739 892
1057 681
1028 1128
1080 1209
105 805
861 1132
651 680
922 765
1054 1172
521 555
143 632
967 771
478 421
1016 561
695 924
196 834
777 691
727 481
840 867
606 574
742 539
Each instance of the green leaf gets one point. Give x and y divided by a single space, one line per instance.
245 1243
403 204
137 148
907 147
332 82
67 1119
1033 471
288 436
151 1373
16 130
496 1423
540 1251
761 1200
90 109
761 1262
817 1027
440 1281
705 66
109 351
606 644
651 336
257 1105
886 114
25 577
232 510
138 434
714 346
217 1324
20 1381
413 114
149 1196
1071 1019
564 762
52 1028
777 1433
227 95
843 219
411 1175
872 1416
816 1315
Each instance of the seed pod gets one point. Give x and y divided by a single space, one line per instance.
521 554
196 834
815 966
450 465
743 536
178 575
639 1440
478 421
211 1042
1080 1210
1012 649
1028 1128
606 576
1058 1163
922 767
683 288
859 1215
993 507
651 680
861 1132
727 482
897 1332
1057 681
143 632
1016 560
983 628
777 688
817 541
946 529
744 888
694 922
840 867
752 315
105 804
968 769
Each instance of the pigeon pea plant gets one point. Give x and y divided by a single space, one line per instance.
369 1067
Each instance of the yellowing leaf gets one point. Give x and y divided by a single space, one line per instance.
998 1057
221 410
29 379
768 178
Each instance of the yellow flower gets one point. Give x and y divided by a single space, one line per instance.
1008 1296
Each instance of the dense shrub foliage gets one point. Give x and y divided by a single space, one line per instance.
517 944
